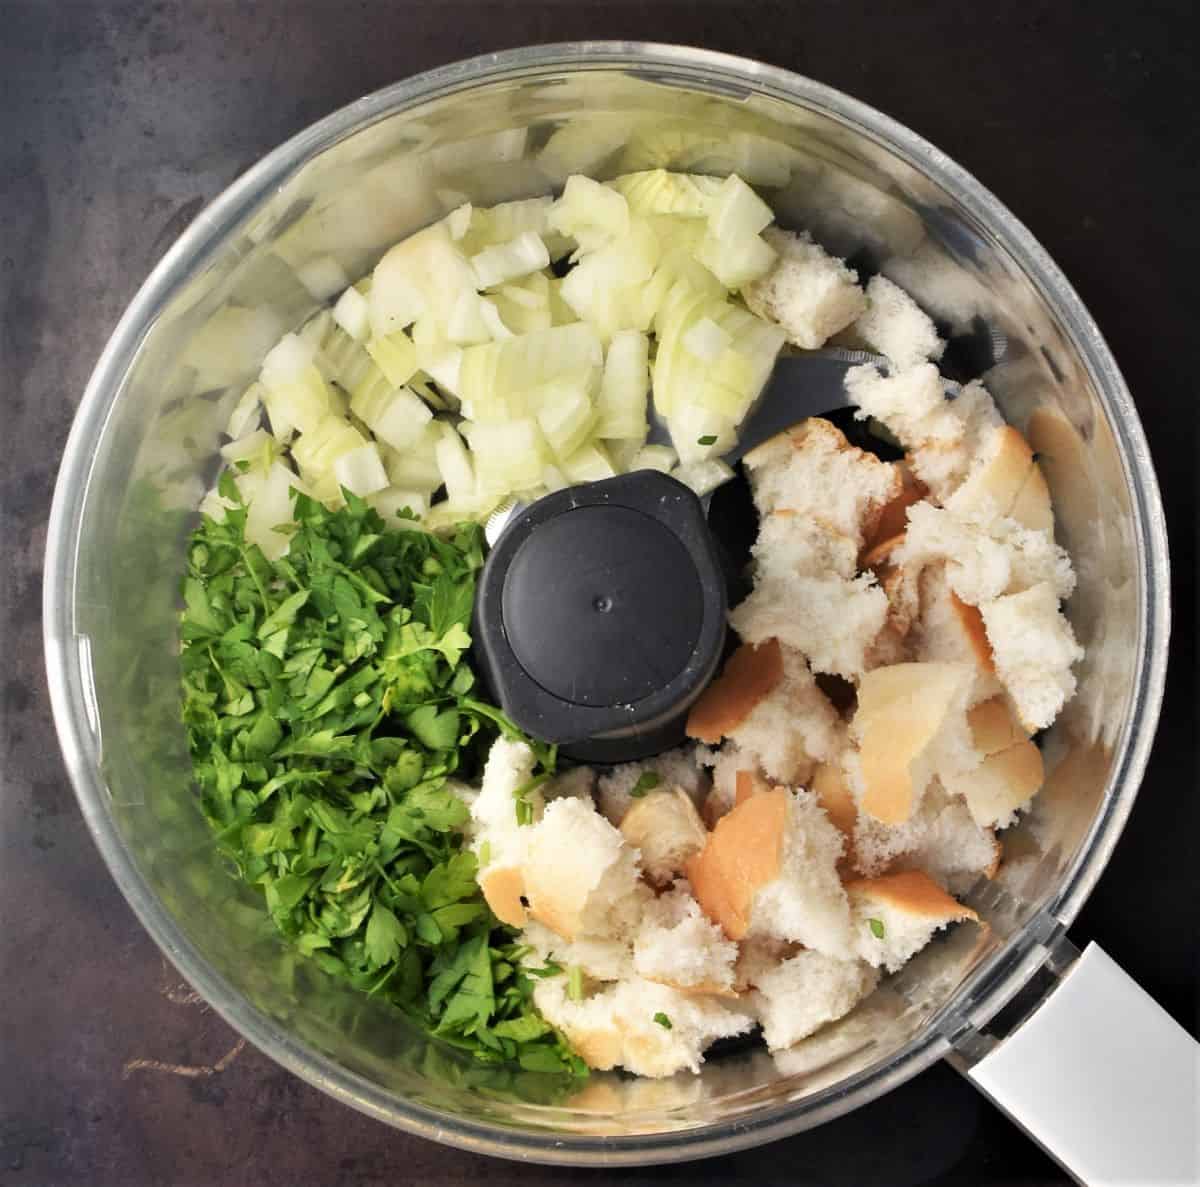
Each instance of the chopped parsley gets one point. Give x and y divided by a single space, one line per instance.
647 781
708 440
876 926
662 1020
575 983
328 701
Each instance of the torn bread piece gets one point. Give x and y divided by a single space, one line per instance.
910 725
750 675
809 293
757 956
911 403
800 995
1002 785
832 789
812 470
495 833
799 544
983 559
893 518
949 630
770 869
893 324
790 728
646 1028
954 849
681 767
896 915
666 829
834 622
608 958
580 876
676 944
727 764
1034 649
1004 481
943 464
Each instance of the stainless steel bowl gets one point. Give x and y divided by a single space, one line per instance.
510 125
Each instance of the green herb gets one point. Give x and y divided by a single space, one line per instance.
327 703
524 805
662 1020
575 983
876 926
647 781
708 440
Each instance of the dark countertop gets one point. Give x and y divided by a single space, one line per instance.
121 120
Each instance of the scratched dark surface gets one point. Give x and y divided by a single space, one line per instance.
119 121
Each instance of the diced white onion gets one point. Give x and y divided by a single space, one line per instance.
509 261
706 340
361 470
353 314
323 277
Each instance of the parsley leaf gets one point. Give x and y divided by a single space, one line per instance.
326 698
646 781
662 1020
876 926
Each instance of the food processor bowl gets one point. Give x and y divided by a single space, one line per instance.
327 204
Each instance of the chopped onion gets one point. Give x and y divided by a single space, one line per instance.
705 476
353 314
590 213
565 423
458 221
654 457
394 500
323 277
247 411
361 470
270 507
706 340
395 356
287 361
507 456
657 191
735 262
454 464
397 418
510 261
624 387
738 213
589 464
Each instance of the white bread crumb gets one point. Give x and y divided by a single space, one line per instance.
617 1027
602 959
893 324
666 829
794 727
581 879
805 903
678 945
675 768
950 632
1034 649
812 470
808 292
911 725
983 559
831 620
895 916
800 995
791 545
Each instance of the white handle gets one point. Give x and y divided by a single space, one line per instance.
1103 1079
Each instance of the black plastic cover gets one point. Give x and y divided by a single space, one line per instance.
600 616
